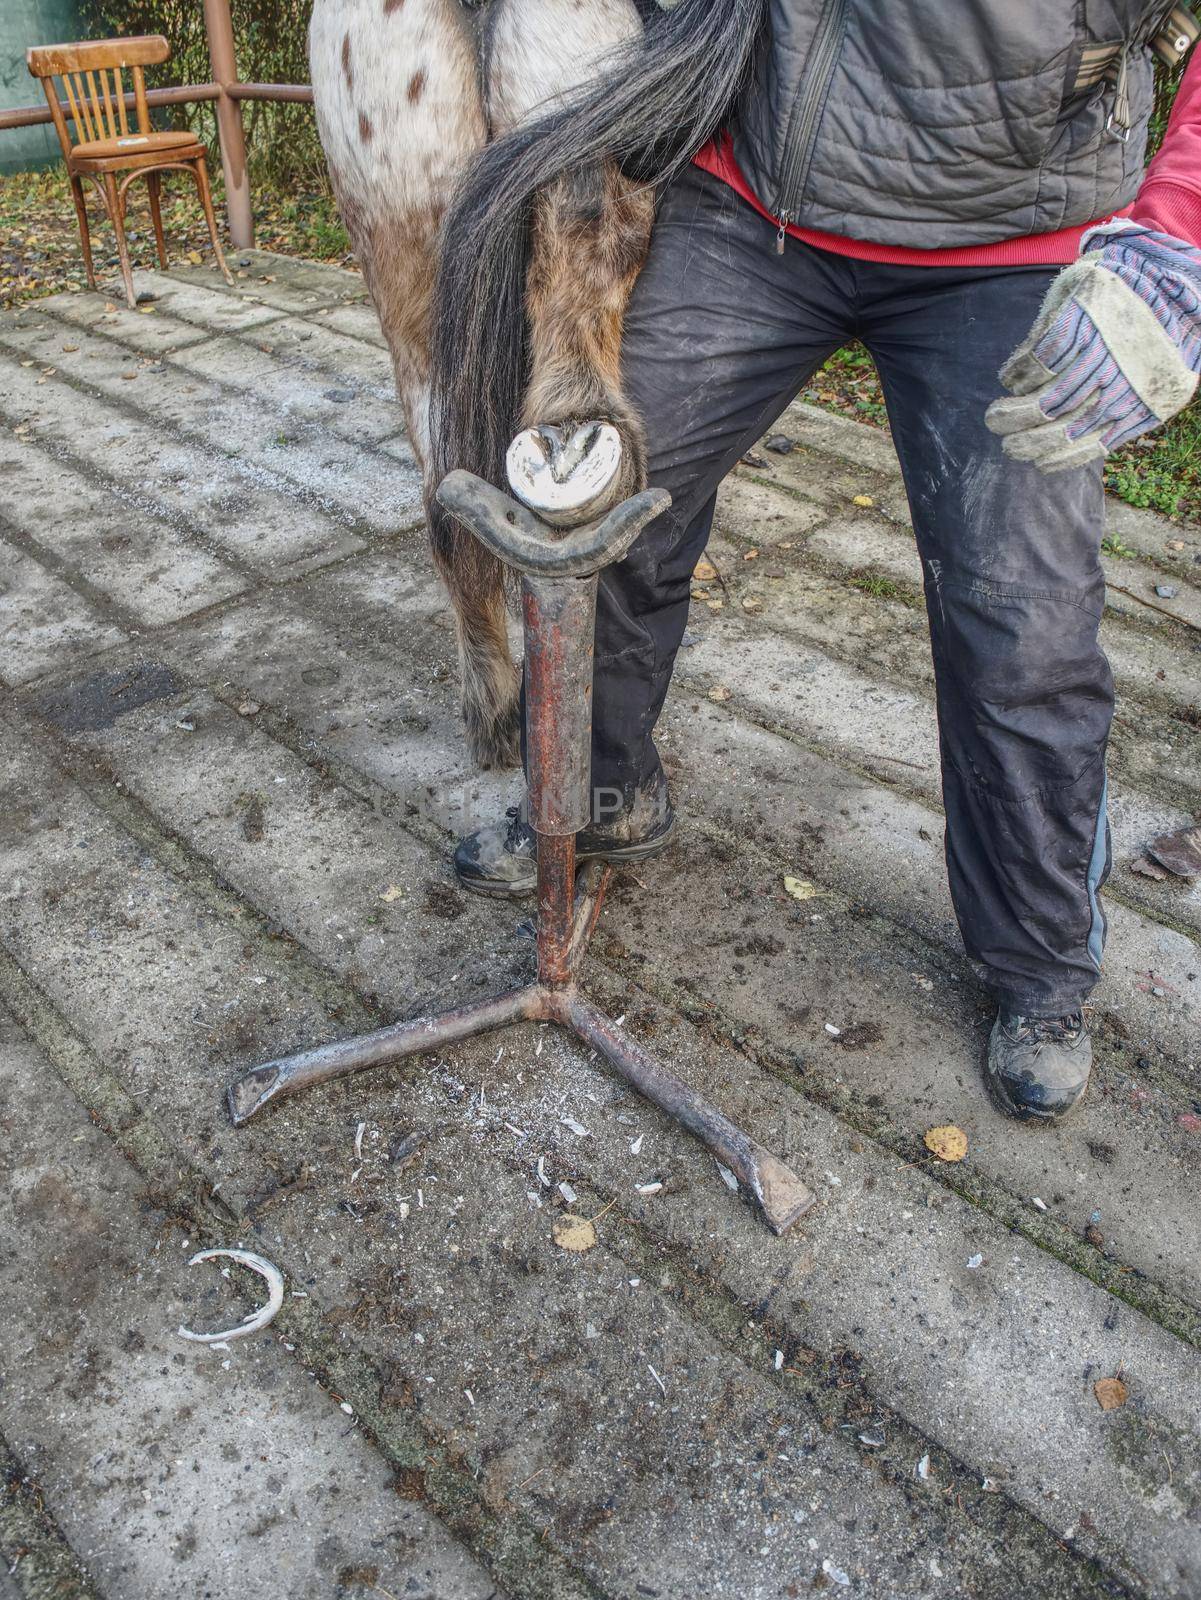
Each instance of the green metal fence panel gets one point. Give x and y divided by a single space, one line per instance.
22 23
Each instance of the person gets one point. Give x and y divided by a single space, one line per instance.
961 188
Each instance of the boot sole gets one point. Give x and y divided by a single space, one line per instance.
619 855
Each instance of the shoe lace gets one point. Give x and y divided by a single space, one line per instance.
1049 1030
513 832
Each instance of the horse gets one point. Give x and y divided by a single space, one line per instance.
496 163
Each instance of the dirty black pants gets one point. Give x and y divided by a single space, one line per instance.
722 332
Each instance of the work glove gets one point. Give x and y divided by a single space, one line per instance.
1114 351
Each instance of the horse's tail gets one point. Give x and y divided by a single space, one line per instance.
658 100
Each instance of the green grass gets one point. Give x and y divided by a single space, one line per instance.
879 588
1113 546
1161 471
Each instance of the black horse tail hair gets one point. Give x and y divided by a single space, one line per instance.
657 101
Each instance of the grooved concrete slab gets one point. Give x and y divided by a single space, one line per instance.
170 1466
233 769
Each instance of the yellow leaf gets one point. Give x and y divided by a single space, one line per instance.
948 1143
720 693
800 888
573 1233
392 892
863 500
194 257
1111 1393
704 570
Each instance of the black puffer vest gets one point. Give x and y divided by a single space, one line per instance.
934 123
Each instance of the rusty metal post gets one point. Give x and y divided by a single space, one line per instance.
559 583
781 1195
230 133
560 623
274 1080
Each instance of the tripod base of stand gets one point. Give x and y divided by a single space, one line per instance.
775 1188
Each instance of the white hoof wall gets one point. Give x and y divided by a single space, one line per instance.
564 480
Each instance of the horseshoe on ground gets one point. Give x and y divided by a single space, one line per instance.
256 1319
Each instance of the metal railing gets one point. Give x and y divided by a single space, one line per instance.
227 91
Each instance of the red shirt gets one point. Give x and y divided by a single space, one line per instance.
1169 201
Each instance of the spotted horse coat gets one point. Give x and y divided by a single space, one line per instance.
408 94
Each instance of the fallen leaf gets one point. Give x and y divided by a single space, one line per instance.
720 693
1148 869
752 603
1179 852
1111 1393
70 348
863 500
704 570
194 257
800 888
948 1143
392 892
573 1233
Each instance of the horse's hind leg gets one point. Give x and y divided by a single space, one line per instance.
590 240
400 113
590 237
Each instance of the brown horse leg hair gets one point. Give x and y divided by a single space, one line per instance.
591 234
398 261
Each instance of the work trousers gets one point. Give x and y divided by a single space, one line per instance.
723 330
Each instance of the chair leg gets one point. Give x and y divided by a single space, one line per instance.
206 200
116 214
154 183
81 213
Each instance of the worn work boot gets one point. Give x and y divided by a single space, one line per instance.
502 858
1038 1066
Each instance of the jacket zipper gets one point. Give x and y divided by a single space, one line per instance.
803 118
1118 122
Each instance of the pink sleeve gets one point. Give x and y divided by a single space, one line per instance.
1170 198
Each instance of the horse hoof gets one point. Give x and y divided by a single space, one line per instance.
565 478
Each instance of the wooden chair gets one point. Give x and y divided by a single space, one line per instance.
92 76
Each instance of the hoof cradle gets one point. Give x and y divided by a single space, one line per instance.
565 478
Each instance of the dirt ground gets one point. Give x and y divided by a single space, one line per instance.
232 771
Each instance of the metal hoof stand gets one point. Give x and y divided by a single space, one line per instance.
559 584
